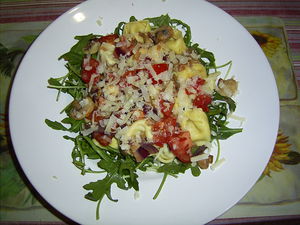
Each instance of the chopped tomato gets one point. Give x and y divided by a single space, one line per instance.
161 67
108 38
163 130
196 87
88 69
158 68
131 73
102 138
180 144
202 101
166 107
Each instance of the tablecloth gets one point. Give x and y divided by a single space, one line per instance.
276 27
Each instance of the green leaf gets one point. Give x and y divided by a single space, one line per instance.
128 168
195 171
229 101
205 55
173 168
132 19
55 125
102 187
119 29
217 117
7 57
163 20
225 132
160 186
76 53
76 125
188 34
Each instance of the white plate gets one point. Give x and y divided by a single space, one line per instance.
45 156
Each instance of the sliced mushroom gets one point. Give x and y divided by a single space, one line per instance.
227 87
163 34
81 109
204 163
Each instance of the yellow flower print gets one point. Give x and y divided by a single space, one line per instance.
267 42
280 153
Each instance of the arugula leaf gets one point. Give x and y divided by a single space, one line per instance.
217 117
163 20
102 187
132 19
211 64
119 29
115 174
173 168
188 34
195 171
56 125
75 55
76 125
229 101
128 168
71 83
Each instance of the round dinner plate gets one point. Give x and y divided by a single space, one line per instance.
45 156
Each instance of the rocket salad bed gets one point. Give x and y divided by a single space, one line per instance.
145 98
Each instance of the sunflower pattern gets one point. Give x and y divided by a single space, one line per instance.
267 42
280 153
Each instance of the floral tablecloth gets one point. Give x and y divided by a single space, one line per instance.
276 27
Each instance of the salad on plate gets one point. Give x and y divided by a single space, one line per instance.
145 98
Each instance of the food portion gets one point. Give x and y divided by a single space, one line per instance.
145 87
145 97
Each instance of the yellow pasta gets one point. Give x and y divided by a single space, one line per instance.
190 70
176 43
135 27
195 121
138 127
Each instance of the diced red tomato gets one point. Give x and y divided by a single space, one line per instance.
166 131
163 130
161 67
108 38
202 101
180 144
196 87
166 107
123 78
102 138
88 69
158 68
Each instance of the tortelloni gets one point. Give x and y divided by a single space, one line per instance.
114 143
165 155
191 69
137 27
196 122
139 127
176 43
107 53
